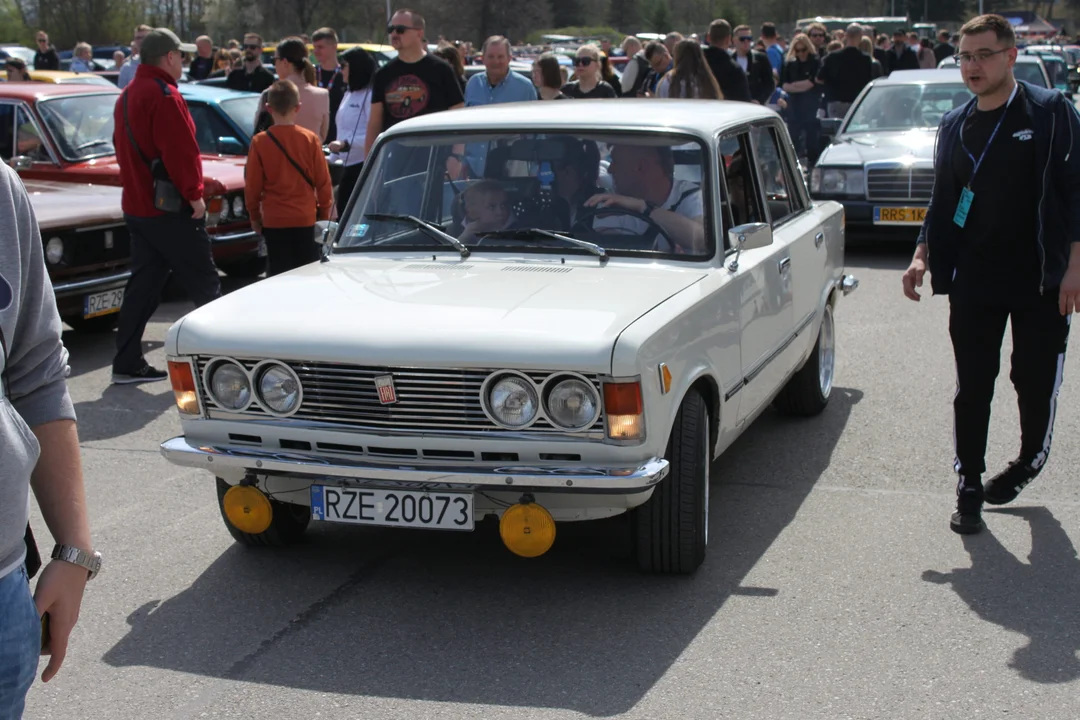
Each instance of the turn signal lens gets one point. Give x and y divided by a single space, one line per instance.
247 509
527 530
183 385
623 407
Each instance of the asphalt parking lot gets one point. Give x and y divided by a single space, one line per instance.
833 587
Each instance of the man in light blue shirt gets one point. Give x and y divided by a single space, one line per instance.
772 47
127 72
497 85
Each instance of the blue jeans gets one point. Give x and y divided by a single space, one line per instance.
20 643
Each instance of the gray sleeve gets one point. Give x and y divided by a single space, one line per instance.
127 72
37 363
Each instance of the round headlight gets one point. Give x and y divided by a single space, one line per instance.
512 402
229 386
54 250
279 389
224 214
572 404
237 206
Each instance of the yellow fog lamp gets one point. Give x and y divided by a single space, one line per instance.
247 508
527 529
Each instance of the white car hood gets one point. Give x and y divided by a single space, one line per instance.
535 314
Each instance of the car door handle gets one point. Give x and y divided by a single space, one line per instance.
784 265
818 239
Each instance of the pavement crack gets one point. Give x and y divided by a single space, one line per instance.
303 619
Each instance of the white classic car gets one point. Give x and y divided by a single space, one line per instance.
536 315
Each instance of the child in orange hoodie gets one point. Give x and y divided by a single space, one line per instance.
288 185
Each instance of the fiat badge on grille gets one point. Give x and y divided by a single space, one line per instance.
385 385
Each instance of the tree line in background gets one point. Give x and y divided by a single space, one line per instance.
107 22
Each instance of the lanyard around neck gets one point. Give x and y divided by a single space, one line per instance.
982 155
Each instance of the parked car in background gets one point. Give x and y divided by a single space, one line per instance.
21 52
1069 53
64 133
556 368
87 250
880 164
1029 68
1056 69
224 119
62 77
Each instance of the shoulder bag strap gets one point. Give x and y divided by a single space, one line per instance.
131 137
291 161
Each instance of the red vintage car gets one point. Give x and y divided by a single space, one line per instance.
64 133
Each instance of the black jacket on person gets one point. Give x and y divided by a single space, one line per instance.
729 76
760 76
47 60
942 51
906 60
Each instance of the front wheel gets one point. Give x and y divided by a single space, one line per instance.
671 530
288 522
807 392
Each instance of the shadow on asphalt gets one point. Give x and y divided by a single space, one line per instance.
454 617
121 410
1037 599
879 256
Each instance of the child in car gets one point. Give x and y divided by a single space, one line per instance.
486 209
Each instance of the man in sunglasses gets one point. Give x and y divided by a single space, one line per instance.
819 35
729 76
253 76
45 58
755 64
414 83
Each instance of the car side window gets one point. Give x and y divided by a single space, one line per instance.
781 195
7 132
208 127
741 200
28 140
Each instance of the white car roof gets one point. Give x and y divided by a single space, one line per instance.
703 118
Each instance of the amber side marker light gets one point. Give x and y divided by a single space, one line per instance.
623 408
183 385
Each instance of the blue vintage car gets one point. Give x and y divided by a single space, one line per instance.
224 119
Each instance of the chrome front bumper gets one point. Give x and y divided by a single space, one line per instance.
573 478
234 237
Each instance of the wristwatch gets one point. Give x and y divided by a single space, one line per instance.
91 560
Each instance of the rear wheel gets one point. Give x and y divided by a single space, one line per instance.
671 530
287 524
807 392
100 324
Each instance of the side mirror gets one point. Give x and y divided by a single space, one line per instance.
830 126
325 230
21 162
748 237
230 146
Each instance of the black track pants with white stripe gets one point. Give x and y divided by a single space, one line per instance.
1040 335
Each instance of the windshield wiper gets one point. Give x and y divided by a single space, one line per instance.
428 229
92 143
530 232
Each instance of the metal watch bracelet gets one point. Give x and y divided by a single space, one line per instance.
88 559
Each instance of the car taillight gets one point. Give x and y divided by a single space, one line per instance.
183 385
624 410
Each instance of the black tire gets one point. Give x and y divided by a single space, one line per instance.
249 267
671 530
286 528
808 391
100 324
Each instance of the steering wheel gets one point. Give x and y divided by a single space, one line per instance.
614 209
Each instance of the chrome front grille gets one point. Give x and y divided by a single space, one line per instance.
428 399
899 184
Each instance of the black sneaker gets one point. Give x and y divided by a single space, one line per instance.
1006 485
145 374
967 520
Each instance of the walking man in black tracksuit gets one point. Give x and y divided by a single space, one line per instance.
1001 237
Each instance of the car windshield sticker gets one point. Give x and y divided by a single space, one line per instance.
357 230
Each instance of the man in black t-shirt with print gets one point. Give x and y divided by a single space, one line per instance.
414 83
844 73
1001 238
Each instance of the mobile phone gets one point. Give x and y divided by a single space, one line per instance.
46 637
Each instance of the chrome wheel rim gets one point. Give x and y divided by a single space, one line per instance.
826 353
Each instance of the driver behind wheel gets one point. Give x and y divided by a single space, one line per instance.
486 209
645 186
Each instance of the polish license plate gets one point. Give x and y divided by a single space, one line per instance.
899 215
103 303
392 508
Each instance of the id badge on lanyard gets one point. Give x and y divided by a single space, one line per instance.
967 195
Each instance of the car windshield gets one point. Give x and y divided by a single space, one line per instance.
1058 71
242 111
499 192
81 125
1029 72
906 107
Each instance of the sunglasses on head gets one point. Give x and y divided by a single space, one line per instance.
398 29
746 38
583 61
817 34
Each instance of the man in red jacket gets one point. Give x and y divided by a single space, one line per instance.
154 138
